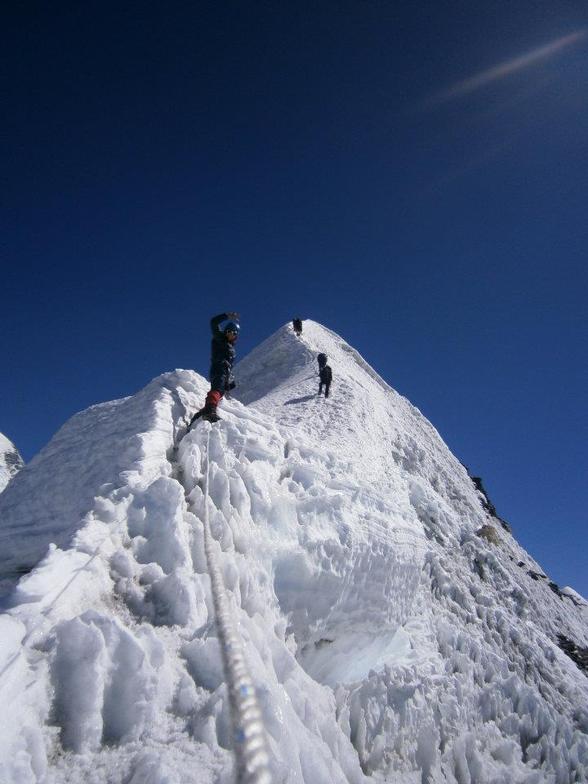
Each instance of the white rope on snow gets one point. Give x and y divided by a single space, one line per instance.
250 743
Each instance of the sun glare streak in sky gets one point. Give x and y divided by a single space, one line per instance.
505 69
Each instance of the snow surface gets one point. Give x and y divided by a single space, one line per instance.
10 461
388 640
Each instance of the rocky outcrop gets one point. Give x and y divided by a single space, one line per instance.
10 461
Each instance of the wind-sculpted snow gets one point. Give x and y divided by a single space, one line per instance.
388 640
10 461
52 498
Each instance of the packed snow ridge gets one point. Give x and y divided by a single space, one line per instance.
395 631
10 461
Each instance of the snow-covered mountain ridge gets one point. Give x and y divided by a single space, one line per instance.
387 638
10 461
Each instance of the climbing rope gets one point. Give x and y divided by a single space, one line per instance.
250 743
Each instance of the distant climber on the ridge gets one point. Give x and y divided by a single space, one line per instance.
222 356
325 374
297 326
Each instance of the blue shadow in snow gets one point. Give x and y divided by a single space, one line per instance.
304 399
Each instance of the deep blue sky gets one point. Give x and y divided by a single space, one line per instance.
164 162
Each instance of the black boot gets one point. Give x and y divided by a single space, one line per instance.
209 412
206 414
196 416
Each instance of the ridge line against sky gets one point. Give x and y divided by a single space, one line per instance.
165 164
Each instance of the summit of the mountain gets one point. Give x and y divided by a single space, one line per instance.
394 630
366 422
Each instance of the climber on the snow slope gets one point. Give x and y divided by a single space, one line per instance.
222 357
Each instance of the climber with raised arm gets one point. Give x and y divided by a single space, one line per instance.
222 357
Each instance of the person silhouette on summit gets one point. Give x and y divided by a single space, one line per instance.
297 326
222 357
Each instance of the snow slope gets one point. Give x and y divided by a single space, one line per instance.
10 461
394 630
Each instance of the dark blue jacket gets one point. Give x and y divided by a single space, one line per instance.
222 356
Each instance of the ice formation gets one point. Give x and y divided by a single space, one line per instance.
388 639
10 461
